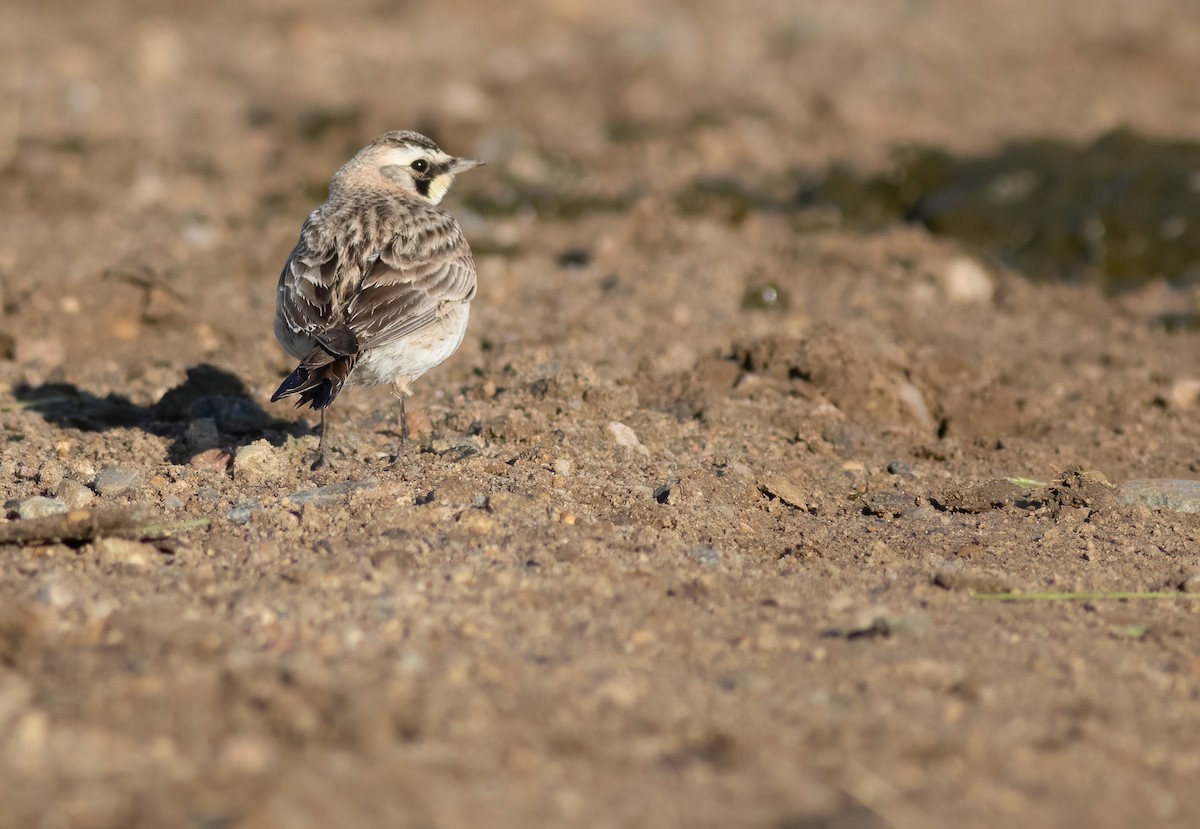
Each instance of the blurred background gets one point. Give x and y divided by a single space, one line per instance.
160 156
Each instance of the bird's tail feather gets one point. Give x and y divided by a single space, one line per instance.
317 380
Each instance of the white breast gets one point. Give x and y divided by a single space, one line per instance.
407 359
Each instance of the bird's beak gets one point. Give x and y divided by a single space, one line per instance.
461 165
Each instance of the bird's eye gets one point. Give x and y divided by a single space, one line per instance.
420 165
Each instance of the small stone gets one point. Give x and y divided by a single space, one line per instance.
216 459
51 474
622 435
74 494
258 463
114 480
40 507
899 468
785 490
914 401
965 280
202 434
132 554
1162 493
562 466
241 513
1182 394
325 494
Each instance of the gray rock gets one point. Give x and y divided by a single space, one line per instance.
114 480
202 434
325 494
40 507
1174 495
242 513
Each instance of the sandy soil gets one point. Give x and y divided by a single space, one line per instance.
660 554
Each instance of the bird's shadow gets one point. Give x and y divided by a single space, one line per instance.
212 408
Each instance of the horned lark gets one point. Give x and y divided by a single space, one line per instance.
379 286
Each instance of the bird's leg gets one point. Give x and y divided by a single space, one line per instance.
402 388
320 461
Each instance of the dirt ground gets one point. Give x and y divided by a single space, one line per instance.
663 551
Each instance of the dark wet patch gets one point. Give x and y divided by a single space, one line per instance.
1119 210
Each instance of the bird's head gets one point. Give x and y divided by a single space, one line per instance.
406 161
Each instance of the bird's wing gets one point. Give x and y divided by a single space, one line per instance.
411 284
306 293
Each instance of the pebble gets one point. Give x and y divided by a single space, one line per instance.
332 492
241 513
40 507
622 435
899 468
74 494
216 459
258 462
51 474
912 399
202 434
784 489
965 280
1174 495
128 553
1182 394
114 480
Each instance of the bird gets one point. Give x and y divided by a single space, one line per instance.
379 286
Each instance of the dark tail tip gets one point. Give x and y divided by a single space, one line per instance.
313 387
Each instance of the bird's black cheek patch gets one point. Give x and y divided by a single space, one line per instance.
423 186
